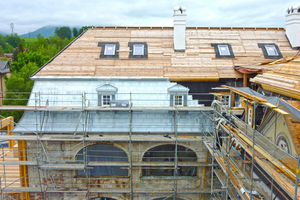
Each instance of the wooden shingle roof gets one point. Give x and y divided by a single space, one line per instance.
284 79
198 62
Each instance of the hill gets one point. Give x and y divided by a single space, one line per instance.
46 31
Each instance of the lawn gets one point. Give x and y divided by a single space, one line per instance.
29 40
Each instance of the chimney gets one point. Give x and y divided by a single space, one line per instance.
293 26
179 28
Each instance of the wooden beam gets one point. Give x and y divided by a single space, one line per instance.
245 80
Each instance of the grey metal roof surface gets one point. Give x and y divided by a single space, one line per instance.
113 122
4 67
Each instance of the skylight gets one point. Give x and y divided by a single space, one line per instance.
224 50
110 49
271 49
138 49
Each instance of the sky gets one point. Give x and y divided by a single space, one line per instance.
33 14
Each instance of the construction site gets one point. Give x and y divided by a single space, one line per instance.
124 113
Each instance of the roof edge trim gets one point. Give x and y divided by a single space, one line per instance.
96 78
57 54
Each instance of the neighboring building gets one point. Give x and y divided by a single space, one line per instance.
4 70
123 112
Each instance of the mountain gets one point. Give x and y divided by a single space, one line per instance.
46 31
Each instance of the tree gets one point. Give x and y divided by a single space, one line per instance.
31 57
63 32
13 40
1 50
75 32
83 29
18 87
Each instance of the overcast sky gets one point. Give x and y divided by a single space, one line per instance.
33 14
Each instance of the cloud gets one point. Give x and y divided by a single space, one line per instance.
33 14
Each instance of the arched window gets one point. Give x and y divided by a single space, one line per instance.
102 198
103 153
166 153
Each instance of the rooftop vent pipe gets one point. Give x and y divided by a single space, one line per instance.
179 28
293 26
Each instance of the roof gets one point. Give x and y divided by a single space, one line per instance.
198 62
4 67
284 79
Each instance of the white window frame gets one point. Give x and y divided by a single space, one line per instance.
107 103
250 116
226 46
110 45
182 100
275 50
134 51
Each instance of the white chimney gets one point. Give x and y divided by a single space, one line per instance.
179 28
293 26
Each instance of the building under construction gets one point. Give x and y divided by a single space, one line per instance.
161 113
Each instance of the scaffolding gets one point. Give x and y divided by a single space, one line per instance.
228 173
42 161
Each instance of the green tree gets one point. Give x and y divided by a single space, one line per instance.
75 32
13 40
83 29
1 50
63 32
31 57
18 87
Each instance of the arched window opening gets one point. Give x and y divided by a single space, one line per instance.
103 153
166 153
102 198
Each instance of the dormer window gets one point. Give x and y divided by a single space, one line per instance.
223 50
138 50
109 49
106 99
178 100
270 50
178 95
106 93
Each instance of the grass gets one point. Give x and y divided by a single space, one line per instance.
29 40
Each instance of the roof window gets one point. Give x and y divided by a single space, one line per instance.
270 50
139 50
223 50
110 49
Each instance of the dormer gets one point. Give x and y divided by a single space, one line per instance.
106 93
178 95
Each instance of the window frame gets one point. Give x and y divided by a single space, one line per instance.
275 50
265 51
102 99
218 52
107 46
103 53
132 54
134 49
182 100
223 45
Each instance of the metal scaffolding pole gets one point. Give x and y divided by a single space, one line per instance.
253 140
175 161
297 179
130 148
